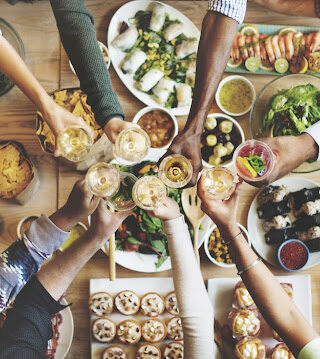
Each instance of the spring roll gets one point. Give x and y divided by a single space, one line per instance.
149 80
172 31
158 17
191 73
186 48
127 39
133 60
184 95
163 90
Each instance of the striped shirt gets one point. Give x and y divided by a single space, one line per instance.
236 9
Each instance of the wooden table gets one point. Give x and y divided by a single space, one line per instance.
48 61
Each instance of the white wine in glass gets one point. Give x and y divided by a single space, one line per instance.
219 182
132 144
103 179
74 144
175 171
149 192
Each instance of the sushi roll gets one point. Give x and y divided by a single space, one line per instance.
309 208
272 194
308 234
163 90
186 48
132 61
126 39
278 236
149 80
307 222
313 245
272 209
173 30
158 17
276 222
305 195
184 95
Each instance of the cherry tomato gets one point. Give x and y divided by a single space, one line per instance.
142 236
131 247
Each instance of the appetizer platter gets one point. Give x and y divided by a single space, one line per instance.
232 304
275 50
288 209
134 306
153 51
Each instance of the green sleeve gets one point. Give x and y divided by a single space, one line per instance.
78 36
311 350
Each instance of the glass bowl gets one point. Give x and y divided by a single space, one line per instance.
260 107
10 34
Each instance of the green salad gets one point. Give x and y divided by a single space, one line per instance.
292 111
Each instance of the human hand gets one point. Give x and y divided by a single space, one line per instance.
115 126
104 223
188 145
169 209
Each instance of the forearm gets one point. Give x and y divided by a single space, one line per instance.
289 7
195 309
217 35
274 304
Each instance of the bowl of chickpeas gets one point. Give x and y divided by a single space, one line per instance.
221 136
216 249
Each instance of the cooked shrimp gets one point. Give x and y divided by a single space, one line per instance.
302 45
235 48
289 45
275 46
256 46
309 39
315 45
249 46
269 50
296 43
242 45
263 53
282 47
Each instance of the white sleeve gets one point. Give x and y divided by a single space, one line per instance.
195 309
236 9
314 132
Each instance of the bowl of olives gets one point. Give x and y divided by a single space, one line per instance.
221 136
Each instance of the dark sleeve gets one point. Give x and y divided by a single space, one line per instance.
28 327
78 36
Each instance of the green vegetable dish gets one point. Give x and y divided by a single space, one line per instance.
141 233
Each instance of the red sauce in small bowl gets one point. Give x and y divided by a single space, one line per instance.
293 255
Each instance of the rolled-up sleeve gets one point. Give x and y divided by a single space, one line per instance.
236 9
314 132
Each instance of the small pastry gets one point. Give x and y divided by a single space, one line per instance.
250 348
129 332
281 351
103 330
244 323
101 304
173 350
242 298
127 302
153 330
288 288
148 351
113 352
171 303
152 304
174 328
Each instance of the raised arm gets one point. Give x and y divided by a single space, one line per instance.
290 7
195 308
274 304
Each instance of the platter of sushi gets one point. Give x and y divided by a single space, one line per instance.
287 209
153 49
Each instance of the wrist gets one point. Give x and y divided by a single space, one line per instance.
64 219
228 230
309 147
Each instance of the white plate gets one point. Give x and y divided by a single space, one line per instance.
221 295
66 333
266 251
146 262
140 286
124 13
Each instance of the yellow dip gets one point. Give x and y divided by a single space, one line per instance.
76 232
236 96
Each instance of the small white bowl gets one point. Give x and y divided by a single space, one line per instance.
78 224
107 51
19 226
206 241
239 128
151 108
227 79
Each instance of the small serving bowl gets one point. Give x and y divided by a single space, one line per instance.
223 82
239 129
107 63
173 118
65 245
284 244
206 243
22 222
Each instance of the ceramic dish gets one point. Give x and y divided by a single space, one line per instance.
23 222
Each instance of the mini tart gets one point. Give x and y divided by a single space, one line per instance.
174 327
173 350
152 304
127 302
242 298
281 351
288 288
113 352
244 323
129 332
148 351
101 304
250 348
171 303
103 330
153 330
